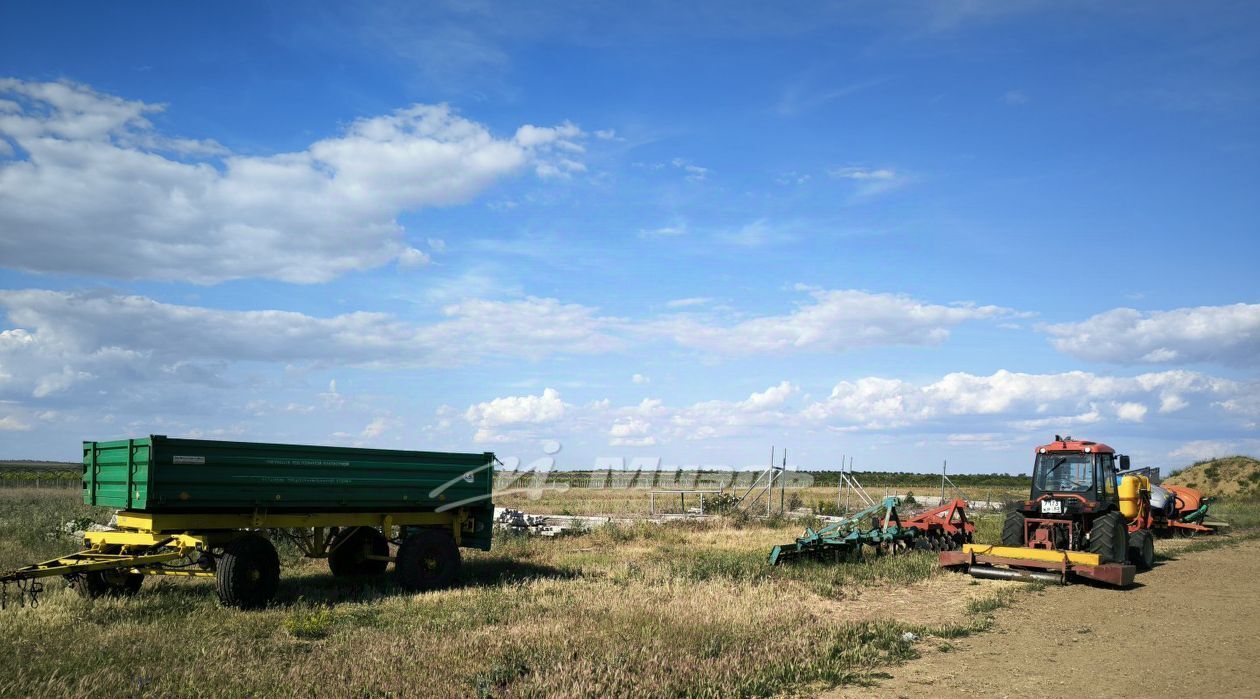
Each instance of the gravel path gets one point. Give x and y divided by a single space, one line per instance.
1190 628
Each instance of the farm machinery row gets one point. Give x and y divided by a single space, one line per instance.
881 529
1087 516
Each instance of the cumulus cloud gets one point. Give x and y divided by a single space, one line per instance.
1023 401
831 321
993 412
513 413
631 432
1219 334
63 339
93 188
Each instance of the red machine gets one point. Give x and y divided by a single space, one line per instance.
945 528
1076 522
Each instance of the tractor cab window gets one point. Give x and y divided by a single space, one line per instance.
1064 473
1107 476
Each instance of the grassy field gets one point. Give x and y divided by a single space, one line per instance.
628 502
683 609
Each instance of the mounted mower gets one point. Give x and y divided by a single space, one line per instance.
880 528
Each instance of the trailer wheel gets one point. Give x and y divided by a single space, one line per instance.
1013 529
427 560
1109 538
1142 550
350 548
109 583
248 572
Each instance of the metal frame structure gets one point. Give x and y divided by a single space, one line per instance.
682 497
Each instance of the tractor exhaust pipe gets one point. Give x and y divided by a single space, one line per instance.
991 573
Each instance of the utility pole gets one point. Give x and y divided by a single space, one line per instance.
944 465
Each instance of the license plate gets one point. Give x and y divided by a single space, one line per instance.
1051 507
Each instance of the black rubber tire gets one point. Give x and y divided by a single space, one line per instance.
1109 538
1013 529
109 583
248 572
348 557
427 560
1142 549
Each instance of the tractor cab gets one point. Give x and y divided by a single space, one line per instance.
1075 475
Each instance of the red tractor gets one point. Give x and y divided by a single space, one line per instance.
1077 521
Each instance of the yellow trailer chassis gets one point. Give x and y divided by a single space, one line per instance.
197 544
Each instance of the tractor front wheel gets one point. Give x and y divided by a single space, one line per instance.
1013 529
1109 538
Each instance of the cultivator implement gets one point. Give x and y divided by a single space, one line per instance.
881 529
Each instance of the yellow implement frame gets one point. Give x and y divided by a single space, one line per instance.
1029 554
147 543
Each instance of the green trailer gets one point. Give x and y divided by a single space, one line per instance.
203 508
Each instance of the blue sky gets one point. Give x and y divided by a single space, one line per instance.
902 231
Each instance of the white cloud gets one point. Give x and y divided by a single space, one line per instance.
1023 401
1199 450
870 182
378 427
832 321
863 174
754 234
12 423
640 379
99 191
1221 334
691 301
514 412
673 230
694 172
1130 412
631 432
412 258
64 339
1015 97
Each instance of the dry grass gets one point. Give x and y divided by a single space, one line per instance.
1231 475
685 609
633 502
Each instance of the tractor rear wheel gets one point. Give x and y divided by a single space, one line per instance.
350 550
1109 538
248 572
1142 549
1013 529
427 560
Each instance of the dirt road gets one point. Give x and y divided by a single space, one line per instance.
1094 642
